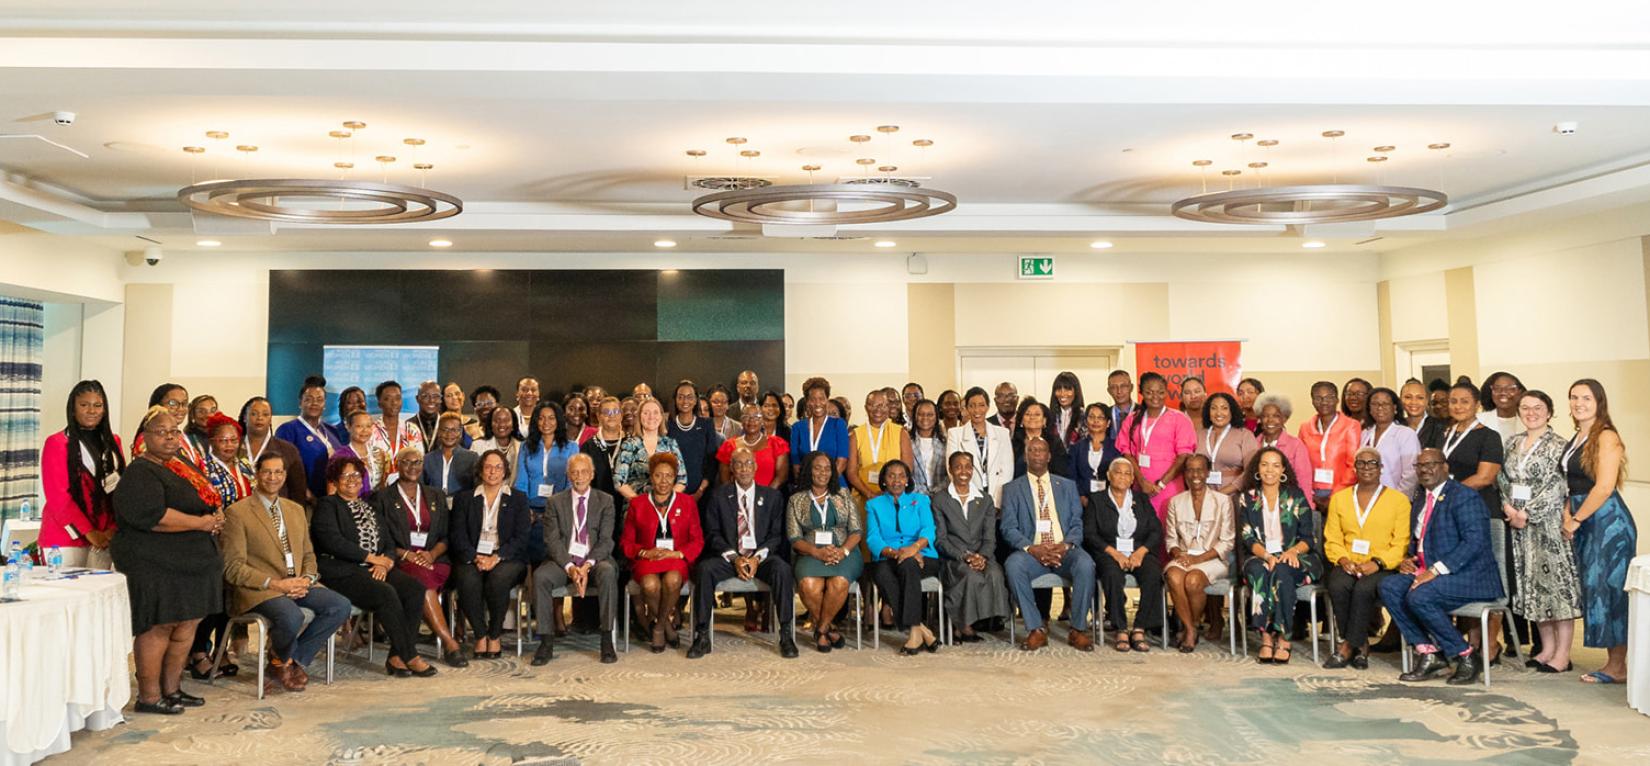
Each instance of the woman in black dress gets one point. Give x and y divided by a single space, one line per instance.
165 547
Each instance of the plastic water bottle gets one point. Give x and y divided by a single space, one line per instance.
14 573
54 561
26 513
25 562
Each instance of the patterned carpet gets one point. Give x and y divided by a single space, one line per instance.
978 704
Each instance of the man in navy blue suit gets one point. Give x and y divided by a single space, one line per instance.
1449 564
1043 521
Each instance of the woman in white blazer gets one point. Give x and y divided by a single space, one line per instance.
991 445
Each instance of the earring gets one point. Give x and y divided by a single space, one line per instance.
1257 476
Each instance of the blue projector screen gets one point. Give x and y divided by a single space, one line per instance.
367 366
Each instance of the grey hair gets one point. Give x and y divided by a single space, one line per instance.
1275 400
1370 450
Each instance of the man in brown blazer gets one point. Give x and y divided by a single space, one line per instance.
270 568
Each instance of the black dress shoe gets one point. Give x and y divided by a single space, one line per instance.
1466 672
185 699
1360 662
838 642
544 654
455 659
609 655
1532 663
1542 667
1336 661
165 706
429 670
1428 667
970 638
787 647
391 670
700 647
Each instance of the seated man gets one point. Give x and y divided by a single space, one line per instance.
578 528
1449 564
1042 521
269 565
744 533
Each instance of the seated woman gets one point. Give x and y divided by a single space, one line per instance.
965 524
1122 534
415 516
1198 534
825 533
355 560
1277 539
662 539
487 545
1365 535
899 531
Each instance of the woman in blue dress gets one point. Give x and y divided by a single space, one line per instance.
819 431
1600 527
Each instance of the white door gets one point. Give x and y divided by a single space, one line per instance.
1032 370
1422 360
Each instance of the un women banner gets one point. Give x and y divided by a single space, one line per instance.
1218 362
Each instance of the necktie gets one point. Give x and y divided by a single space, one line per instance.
280 530
1421 534
581 533
1042 513
744 524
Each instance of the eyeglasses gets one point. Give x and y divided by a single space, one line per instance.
174 403
612 412
349 477
277 472
1505 389
1366 464
224 440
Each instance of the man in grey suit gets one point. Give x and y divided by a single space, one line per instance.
577 521
1042 521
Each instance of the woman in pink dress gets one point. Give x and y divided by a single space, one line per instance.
1159 440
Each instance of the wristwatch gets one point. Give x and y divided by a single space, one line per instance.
1378 562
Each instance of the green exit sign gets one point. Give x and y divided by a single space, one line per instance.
1036 267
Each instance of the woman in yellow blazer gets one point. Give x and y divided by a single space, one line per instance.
270 568
1366 532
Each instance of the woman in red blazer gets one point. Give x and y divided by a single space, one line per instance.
662 539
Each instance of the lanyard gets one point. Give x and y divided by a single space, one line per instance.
1423 423
1363 513
876 444
544 464
1323 444
1214 450
253 456
325 442
489 511
813 436
1575 444
446 470
1371 440
1147 427
1450 446
664 525
821 507
414 503
391 435
1524 460
86 457
982 444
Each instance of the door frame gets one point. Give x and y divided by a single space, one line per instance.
1404 352
1115 353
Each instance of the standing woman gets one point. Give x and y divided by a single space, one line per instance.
315 440
1533 491
1499 401
1199 536
725 425
1428 429
483 401
79 468
166 517
487 544
876 444
175 399
350 401
819 431
201 409
450 468
1159 440
991 446
771 453
1034 421
1278 543
1599 525
1355 400
386 428
452 400
232 482
899 532
825 533
1067 396
1227 446
255 419
951 405
542 470
577 415
1397 443
1274 411
774 420
1193 395
928 457
1248 391
631 473
1091 456
1330 438
965 523
662 538
696 440
503 435
372 453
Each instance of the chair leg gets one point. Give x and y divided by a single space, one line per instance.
627 620
263 638
521 619
1484 631
1313 602
332 655
876 617
1164 596
859 622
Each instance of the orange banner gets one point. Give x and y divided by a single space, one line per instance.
1218 362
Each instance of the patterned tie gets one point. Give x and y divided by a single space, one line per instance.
1421 534
581 532
744 524
280 530
1042 513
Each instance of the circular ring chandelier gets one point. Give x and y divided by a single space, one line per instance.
331 201
845 204
1309 204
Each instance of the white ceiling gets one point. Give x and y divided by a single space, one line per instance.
564 125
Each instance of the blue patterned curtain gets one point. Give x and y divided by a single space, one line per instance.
21 339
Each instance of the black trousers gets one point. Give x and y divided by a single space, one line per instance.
901 586
209 633
1148 576
396 603
775 572
484 597
1357 603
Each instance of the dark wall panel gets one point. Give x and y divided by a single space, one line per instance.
583 306
335 307
710 362
721 305
463 305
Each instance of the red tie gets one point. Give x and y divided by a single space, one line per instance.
1421 536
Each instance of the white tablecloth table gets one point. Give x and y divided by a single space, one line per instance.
63 663
1638 634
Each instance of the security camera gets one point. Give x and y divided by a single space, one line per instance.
152 255
63 118
1566 128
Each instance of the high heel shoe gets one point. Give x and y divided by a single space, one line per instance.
657 646
429 670
392 670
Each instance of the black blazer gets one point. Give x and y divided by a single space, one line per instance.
1100 524
335 536
464 530
393 513
722 521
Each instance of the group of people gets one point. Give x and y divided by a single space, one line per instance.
1388 499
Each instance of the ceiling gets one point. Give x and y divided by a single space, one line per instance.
565 125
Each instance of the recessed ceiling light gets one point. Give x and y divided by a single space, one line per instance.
207 243
667 272
1312 244
886 243
664 243
1100 244
441 243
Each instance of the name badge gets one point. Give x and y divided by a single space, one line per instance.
1125 546
1520 492
110 483
1360 547
485 547
1324 476
1097 485
1215 478
69 528
665 543
546 490
578 550
420 539
1274 546
1045 525
1145 461
824 537
748 540
289 566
